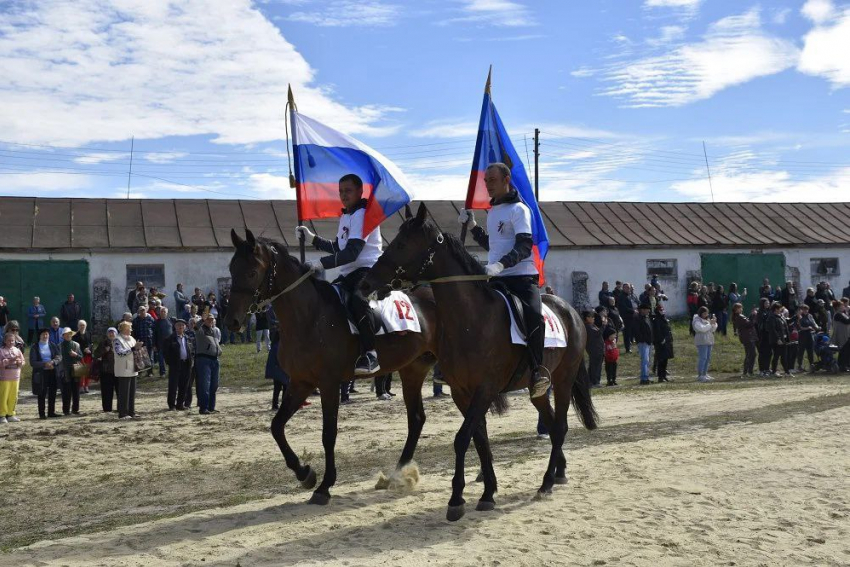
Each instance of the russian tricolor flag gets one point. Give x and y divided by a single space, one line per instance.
323 155
493 145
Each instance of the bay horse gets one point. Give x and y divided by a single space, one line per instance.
317 349
475 350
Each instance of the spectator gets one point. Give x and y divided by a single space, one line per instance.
179 351
595 348
766 290
211 305
777 331
207 353
198 300
11 361
612 355
263 330
614 318
841 334
789 298
4 317
662 337
125 371
704 298
46 362
747 334
55 331
143 332
139 299
643 336
735 297
626 307
793 339
71 355
807 329
439 380
764 349
131 297
719 306
104 355
692 302
70 312
274 372
382 386
604 294
162 331
154 307
15 328
83 338
154 293
180 300
601 318
653 281
704 328
36 315
618 289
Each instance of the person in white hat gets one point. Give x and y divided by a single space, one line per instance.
71 355
125 371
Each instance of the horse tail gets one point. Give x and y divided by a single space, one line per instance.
582 401
499 405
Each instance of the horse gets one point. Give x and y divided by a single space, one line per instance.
475 350
318 350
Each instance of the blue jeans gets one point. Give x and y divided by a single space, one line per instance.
643 350
160 356
206 370
703 359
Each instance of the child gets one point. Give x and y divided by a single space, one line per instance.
595 348
612 355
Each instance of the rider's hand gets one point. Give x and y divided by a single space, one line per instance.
467 215
303 230
494 269
316 267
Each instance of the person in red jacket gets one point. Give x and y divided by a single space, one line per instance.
612 355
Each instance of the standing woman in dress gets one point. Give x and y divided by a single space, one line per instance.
105 354
83 338
11 361
71 354
125 371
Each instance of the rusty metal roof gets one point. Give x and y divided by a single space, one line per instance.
168 224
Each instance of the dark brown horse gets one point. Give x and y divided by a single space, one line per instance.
476 353
317 349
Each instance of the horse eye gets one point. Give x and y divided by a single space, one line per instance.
253 274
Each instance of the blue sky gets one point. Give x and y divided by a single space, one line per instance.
624 92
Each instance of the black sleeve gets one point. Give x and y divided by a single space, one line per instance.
346 256
521 250
325 245
480 236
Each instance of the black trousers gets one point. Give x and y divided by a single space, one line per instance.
611 372
192 377
764 354
594 368
662 367
525 287
108 388
628 332
178 382
71 396
382 384
279 391
359 308
805 347
47 393
778 356
126 395
749 357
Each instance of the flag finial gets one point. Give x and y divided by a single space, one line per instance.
291 99
487 86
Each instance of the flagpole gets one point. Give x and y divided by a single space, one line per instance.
465 225
302 246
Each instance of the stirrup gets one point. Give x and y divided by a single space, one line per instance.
539 388
361 369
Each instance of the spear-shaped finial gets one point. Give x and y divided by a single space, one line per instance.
487 86
292 99
292 110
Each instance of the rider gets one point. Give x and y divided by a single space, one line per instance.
509 243
353 253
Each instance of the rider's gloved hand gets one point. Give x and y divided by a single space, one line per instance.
467 215
494 269
308 234
315 266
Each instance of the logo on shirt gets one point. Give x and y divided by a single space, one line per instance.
501 227
345 233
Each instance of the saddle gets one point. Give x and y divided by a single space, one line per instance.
374 313
515 304
394 314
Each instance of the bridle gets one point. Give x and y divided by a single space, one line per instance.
398 283
259 305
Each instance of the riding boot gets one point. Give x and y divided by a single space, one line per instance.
540 378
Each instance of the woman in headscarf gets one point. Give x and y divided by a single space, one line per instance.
125 371
71 354
104 354
83 338
46 362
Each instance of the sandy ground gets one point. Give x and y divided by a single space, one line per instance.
754 475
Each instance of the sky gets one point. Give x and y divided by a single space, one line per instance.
635 100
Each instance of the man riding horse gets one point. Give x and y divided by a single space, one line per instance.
509 244
353 253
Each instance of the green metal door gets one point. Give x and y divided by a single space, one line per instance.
747 270
51 280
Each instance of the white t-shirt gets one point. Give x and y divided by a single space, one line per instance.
504 222
351 228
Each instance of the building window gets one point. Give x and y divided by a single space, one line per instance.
664 269
825 267
153 275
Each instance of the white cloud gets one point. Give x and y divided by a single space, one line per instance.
442 187
767 186
506 13
447 129
669 34
94 70
826 46
780 16
347 13
270 186
97 157
583 72
672 3
734 50
25 182
163 157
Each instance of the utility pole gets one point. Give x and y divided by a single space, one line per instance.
537 164
130 171
705 153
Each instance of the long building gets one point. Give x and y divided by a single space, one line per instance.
98 248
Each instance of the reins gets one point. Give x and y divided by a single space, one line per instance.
258 306
428 260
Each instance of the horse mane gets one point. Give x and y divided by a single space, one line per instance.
463 257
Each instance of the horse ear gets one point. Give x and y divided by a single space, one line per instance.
235 238
250 237
421 213
408 214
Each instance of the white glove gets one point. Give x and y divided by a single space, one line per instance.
315 266
467 215
308 234
494 269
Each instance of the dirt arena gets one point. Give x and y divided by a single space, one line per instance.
730 473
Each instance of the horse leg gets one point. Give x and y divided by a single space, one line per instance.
330 415
292 400
411 382
482 445
547 414
558 434
475 412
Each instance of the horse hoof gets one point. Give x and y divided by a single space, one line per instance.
320 499
455 513
560 480
480 477
309 481
485 506
543 494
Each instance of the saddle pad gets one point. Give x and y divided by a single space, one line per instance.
396 312
555 337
